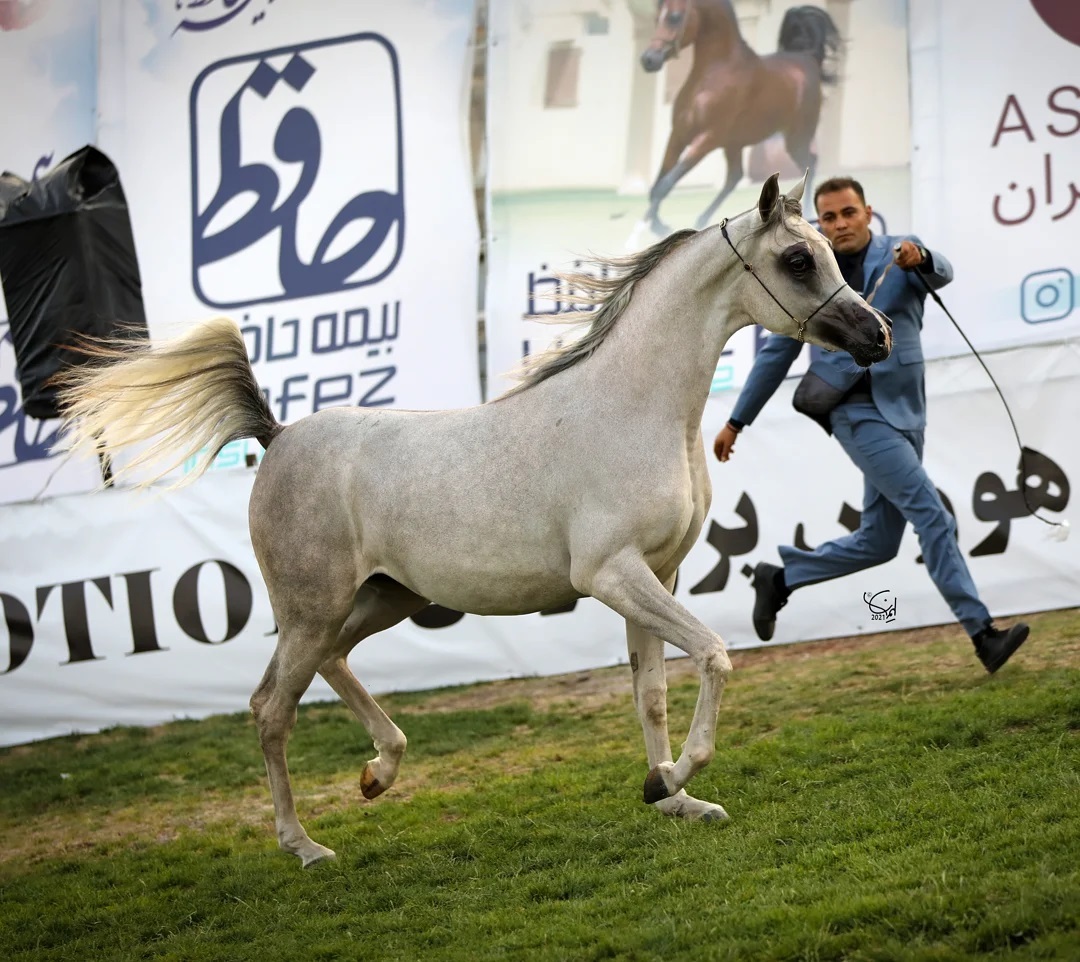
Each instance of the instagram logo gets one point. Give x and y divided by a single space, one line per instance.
1046 295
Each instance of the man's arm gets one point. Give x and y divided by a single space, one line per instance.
770 368
934 268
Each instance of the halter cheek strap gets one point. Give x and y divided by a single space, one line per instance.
750 269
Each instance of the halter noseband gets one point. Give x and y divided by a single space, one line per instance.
750 269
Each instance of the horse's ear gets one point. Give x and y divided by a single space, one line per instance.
796 192
770 194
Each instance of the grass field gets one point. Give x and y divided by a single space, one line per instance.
888 800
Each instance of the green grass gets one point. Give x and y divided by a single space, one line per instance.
888 800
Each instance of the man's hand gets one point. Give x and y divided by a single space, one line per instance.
724 445
910 255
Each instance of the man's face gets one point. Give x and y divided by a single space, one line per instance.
844 220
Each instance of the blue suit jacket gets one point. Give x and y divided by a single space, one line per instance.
897 382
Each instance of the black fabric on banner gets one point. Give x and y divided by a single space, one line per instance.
68 268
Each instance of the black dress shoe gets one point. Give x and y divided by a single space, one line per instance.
769 599
994 647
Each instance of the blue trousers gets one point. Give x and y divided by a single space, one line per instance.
897 490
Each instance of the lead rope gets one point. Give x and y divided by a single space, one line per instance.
1062 527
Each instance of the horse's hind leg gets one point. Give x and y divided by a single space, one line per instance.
380 603
300 650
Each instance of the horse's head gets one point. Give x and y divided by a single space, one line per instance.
799 290
676 28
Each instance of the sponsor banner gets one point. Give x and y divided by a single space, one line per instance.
996 127
101 625
48 69
589 118
307 175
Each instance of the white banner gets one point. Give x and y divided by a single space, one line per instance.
996 170
103 625
308 173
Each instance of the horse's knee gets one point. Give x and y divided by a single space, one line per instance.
716 663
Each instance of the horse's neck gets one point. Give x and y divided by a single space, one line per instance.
718 37
661 355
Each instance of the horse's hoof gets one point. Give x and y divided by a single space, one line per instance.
715 815
655 789
320 854
369 784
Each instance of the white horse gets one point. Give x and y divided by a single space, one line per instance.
586 479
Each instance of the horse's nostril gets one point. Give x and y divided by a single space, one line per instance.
882 337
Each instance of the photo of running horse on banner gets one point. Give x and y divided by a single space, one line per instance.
733 98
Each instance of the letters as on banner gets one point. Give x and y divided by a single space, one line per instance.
279 210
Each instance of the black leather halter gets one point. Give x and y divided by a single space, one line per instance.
750 268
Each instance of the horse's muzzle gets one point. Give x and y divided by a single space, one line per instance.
873 341
654 58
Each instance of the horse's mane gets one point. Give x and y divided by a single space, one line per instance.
610 293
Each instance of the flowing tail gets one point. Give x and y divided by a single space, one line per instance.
189 396
811 30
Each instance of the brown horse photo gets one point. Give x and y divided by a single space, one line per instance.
734 98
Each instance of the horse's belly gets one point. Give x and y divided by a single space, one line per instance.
488 590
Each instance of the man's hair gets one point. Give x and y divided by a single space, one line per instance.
833 184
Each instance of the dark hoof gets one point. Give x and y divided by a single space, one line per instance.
655 789
714 817
369 784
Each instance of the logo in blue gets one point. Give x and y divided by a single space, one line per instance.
21 438
296 172
200 15
1046 295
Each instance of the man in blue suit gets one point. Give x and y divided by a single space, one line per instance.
878 415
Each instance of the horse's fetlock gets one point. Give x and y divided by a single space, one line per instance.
701 755
393 747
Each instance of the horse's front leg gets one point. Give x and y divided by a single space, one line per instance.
733 156
650 698
680 158
625 584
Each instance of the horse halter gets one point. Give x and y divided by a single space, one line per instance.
750 269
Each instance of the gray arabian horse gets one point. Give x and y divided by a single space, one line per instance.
588 478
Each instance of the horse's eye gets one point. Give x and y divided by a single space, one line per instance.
674 19
800 263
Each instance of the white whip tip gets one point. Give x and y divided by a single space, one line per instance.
1060 531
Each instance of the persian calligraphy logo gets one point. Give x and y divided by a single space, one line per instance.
297 189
